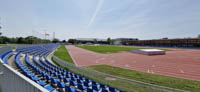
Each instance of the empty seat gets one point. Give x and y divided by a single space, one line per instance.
81 87
95 88
53 77
104 90
73 83
91 90
69 89
112 89
61 86
42 83
49 88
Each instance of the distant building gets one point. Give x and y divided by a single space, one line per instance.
91 41
119 41
186 42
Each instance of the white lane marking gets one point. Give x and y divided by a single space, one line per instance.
182 71
126 65
71 56
148 71
152 72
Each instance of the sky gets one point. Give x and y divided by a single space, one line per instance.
143 19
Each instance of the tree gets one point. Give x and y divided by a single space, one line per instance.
29 39
64 41
109 40
72 41
4 40
55 40
165 38
20 40
198 36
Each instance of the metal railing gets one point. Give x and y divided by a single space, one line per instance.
114 81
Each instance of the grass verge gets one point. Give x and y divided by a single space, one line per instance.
113 49
190 85
2 45
63 54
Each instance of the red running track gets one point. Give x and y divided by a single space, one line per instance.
181 64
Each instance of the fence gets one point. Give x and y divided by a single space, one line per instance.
114 81
13 81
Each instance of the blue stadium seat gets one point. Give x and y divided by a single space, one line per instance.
42 83
112 89
53 77
49 88
73 83
69 89
61 85
81 87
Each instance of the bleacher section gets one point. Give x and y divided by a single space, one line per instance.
32 62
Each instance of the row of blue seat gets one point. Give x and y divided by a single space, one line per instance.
27 72
41 50
37 70
77 79
52 77
5 56
35 51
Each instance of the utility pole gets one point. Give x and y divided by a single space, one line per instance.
45 34
0 31
0 26
53 35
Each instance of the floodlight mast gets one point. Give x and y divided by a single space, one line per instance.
0 23
0 27
53 35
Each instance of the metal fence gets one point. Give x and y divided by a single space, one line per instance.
114 81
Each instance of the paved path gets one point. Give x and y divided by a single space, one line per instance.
182 64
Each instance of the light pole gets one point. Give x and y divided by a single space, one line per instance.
0 31
0 26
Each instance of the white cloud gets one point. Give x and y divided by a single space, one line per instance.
100 3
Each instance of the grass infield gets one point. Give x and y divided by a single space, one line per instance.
113 49
190 85
63 54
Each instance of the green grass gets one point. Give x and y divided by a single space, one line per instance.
63 54
190 85
3 45
112 49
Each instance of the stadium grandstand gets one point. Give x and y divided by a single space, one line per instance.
28 69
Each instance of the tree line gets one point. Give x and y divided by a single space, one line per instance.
25 40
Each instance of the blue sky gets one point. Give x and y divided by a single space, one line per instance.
143 19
